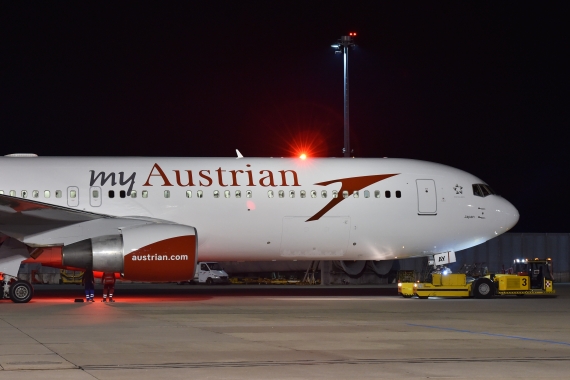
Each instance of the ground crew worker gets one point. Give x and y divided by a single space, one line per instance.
89 283
108 286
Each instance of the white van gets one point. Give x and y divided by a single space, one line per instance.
210 273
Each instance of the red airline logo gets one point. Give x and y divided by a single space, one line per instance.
348 184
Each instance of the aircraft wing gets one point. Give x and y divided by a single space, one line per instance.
38 224
20 218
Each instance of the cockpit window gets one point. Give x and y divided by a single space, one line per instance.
477 191
482 190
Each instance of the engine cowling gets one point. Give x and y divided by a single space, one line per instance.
152 252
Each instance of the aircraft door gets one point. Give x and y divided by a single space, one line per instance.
427 197
73 196
95 196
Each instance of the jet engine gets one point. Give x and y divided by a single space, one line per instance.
151 252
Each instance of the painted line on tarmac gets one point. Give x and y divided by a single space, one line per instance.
325 298
492 334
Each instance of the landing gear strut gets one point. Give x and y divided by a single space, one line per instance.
19 291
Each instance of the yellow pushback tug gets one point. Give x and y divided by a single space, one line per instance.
529 276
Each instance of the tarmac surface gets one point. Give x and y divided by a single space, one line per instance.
282 332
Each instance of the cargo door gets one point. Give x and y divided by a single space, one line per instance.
427 197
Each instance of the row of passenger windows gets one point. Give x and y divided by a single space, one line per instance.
324 194
482 190
36 193
217 194
270 194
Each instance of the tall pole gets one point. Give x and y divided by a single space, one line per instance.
346 118
345 42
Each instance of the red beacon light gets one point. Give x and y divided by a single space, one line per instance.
352 34
303 156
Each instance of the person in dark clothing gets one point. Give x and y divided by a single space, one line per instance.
108 286
89 283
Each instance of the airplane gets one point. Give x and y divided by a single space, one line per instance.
150 219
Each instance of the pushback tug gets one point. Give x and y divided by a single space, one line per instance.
527 277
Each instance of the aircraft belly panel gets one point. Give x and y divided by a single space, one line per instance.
324 238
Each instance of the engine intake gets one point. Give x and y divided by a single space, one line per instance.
101 253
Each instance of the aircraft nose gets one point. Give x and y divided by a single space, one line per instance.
510 214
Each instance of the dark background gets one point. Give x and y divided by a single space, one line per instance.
481 86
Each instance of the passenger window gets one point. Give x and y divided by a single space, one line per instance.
477 191
145 193
345 194
376 193
58 193
281 194
303 193
133 193
199 193
12 193
366 194
95 193
188 193
270 193
111 194
35 194
216 193
248 194
387 194
398 194
238 193
122 194
355 194
166 193
291 193
313 193
24 194
227 193
47 194
323 193
335 194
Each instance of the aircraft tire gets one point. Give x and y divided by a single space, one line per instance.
209 281
483 288
21 291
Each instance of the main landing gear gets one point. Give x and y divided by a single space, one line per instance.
19 291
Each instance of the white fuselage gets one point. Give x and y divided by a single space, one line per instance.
437 210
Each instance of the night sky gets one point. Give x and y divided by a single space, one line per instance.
481 86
